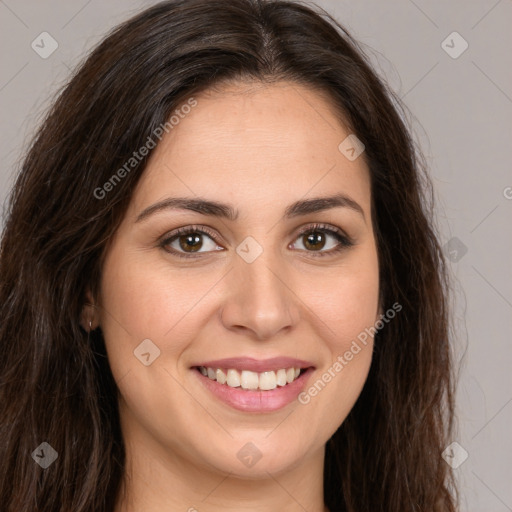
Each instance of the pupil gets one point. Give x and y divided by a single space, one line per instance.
314 239
192 242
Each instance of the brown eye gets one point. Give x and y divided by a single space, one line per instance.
316 240
186 241
190 242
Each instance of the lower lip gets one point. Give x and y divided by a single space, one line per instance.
256 401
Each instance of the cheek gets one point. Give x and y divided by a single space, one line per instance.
146 296
147 299
346 300
346 306
140 301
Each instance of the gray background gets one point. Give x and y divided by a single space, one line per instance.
461 116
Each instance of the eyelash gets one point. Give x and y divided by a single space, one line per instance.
344 241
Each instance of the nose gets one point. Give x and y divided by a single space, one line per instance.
260 299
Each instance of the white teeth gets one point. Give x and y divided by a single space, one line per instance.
264 381
221 376
249 380
268 381
281 377
233 379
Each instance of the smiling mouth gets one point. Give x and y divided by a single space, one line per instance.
252 381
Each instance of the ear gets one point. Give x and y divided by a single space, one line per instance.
89 317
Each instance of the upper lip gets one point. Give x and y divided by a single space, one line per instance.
256 365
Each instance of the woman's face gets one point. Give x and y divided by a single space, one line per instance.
262 288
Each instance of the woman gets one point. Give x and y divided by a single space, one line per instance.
220 283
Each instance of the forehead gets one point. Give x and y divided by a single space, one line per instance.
257 141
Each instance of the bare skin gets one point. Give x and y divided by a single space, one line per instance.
258 148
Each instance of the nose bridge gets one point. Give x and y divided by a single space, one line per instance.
260 298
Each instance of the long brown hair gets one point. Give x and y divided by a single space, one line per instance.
55 382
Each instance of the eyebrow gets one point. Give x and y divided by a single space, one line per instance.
225 211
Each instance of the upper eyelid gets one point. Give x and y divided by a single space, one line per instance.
209 231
